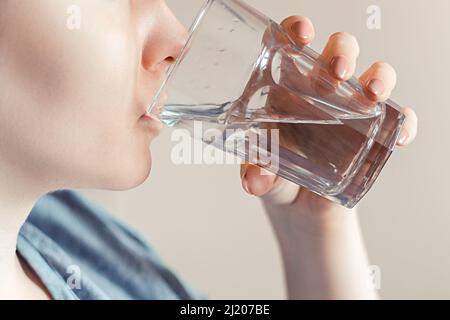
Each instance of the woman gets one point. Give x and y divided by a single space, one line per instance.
71 116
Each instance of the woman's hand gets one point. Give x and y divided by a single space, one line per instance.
323 252
341 53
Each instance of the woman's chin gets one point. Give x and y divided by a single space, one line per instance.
128 177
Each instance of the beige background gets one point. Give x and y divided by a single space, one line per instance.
218 238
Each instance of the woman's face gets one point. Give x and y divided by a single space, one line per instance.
71 100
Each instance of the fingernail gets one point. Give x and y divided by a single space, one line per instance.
339 65
245 185
302 29
376 86
403 137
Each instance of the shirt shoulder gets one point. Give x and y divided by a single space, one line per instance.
80 251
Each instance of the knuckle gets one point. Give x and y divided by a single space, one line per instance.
384 65
340 34
411 114
290 20
387 69
344 35
347 38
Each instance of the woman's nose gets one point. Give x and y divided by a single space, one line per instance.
165 42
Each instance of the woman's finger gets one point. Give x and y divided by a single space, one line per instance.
379 81
300 29
256 180
409 130
341 53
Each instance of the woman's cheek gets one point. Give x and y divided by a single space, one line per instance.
122 65
78 91
96 111
113 114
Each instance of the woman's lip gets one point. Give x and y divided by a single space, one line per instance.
150 117
151 122
157 107
154 113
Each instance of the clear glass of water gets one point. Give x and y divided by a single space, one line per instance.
241 72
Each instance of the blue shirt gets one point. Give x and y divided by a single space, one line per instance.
79 251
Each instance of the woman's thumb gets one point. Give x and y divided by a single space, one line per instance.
256 180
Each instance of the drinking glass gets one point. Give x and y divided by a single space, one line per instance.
241 74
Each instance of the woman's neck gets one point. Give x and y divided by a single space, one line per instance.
14 210
17 197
